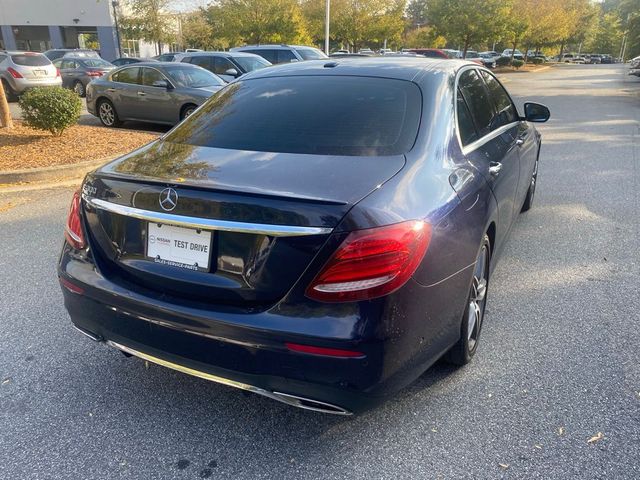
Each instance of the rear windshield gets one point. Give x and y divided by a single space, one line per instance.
310 53
329 115
30 60
192 77
95 63
249 64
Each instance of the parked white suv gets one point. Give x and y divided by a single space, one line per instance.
22 70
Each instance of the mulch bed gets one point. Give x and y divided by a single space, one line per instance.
22 147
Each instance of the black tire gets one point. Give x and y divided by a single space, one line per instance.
187 110
464 350
103 108
79 88
8 92
528 201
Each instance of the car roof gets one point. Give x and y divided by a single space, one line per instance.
396 67
155 63
20 52
221 54
275 45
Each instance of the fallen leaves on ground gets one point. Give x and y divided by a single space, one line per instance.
22 147
596 438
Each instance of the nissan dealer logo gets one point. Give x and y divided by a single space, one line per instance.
168 199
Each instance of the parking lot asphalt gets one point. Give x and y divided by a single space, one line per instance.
557 365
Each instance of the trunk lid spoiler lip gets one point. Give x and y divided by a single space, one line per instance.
177 183
206 223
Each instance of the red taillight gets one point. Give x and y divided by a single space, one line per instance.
72 287
327 352
372 263
73 230
14 73
57 72
92 73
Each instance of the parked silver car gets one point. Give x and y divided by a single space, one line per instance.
22 70
77 72
158 92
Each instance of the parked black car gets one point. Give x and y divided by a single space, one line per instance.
320 253
77 72
227 65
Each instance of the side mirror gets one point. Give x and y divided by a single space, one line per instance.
535 112
232 72
161 84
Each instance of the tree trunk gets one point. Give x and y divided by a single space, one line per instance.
5 114
466 46
561 51
526 53
513 49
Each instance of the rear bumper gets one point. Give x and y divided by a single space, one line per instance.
20 85
248 351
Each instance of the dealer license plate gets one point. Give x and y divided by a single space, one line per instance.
179 247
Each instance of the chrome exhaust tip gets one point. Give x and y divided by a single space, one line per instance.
292 400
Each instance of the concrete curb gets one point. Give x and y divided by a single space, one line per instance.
50 174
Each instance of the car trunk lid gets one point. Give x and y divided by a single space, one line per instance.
268 213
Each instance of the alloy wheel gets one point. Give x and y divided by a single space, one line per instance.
79 89
107 115
477 297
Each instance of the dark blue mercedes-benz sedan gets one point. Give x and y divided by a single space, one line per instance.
319 233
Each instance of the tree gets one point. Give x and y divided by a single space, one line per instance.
363 23
417 12
424 37
5 113
258 21
196 31
468 22
607 35
148 21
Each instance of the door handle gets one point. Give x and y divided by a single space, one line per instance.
142 94
111 90
494 168
519 141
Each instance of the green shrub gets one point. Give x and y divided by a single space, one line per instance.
537 60
50 108
517 63
503 62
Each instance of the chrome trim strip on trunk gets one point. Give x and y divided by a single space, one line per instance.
206 223
292 400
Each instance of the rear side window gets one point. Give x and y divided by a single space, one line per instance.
308 115
202 61
127 75
477 98
150 75
269 55
28 60
466 128
65 64
221 65
506 111
285 56
310 53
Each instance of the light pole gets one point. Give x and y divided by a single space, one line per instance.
114 4
326 27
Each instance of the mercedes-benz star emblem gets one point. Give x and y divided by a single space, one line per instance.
168 199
